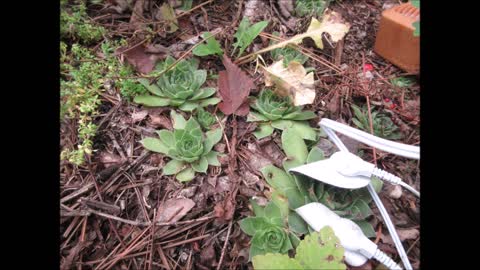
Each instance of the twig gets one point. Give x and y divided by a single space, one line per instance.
187 241
163 258
79 192
225 245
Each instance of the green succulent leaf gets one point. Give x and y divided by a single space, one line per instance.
204 93
273 214
299 115
178 121
166 137
270 239
211 47
151 101
366 227
263 130
209 101
294 239
295 149
284 184
155 145
258 210
315 154
282 203
250 225
200 165
186 175
188 106
173 167
212 138
153 88
205 119
296 223
301 128
212 158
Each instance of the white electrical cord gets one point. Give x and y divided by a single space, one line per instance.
396 148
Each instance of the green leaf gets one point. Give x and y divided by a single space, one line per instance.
200 165
294 239
166 137
212 158
321 250
173 166
246 34
301 128
188 106
263 130
282 203
295 149
186 175
250 225
256 117
284 184
178 121
273 214
299 115
151 101
275 261
366 227
153 88
415 3
209 101
155 145
315 154
296 223
212 138
204 93
258 210
212 46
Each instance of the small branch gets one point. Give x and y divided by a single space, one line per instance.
225 245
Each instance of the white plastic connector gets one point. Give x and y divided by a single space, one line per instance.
349 233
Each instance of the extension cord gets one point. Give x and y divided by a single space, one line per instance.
358 248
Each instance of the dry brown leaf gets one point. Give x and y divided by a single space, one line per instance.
292 81
405 234
174 209
234 86
139 115
138 58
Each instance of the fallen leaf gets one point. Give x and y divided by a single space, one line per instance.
166 13
139 116
234 87
332 23
139 59
292 81
405 234
174 209
225 209
160 121
109 159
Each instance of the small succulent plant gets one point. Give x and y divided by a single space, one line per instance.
188 147
287 54
178 87
383 126
273 111
267 230
205 119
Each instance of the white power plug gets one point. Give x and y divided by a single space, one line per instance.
357 246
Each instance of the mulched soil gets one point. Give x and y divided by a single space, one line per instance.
107 205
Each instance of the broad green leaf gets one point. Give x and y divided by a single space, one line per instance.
273 214
212 138
366 227
209 101
263 130
212 46
200 165
212 158
246 34
178 121
296 223
315 154
295 149
151 101
155 145
204 93
250 225
299 115
274 262
166 137
321 250
363 210
173 166
284 184
303 129
153 88
255 117
282 203
188 106
186 175
258 210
